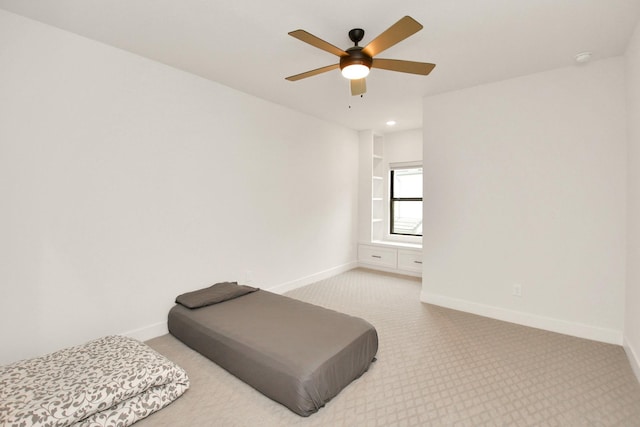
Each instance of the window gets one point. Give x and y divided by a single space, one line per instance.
406 201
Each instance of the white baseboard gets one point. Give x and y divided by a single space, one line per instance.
549 324
148 332
298 283
633 358
389 270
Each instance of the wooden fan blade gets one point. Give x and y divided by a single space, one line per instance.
358 87
312 72
317 42
394 34
422 68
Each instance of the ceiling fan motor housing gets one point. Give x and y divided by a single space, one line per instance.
355 56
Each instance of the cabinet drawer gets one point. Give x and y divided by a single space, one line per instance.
377 256
409 260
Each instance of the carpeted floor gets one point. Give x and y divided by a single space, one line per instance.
435 366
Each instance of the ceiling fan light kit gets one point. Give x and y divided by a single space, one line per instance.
356 62
355 71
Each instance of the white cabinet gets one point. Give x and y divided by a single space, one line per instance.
389 258
410 260
377 256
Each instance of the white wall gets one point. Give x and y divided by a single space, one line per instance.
525 181
632 312
403 146
125 182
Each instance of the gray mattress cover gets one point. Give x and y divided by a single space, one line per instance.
296 353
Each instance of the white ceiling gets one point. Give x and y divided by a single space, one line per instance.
244 44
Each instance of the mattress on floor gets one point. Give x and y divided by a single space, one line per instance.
298 354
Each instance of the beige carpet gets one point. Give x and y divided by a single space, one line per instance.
435 367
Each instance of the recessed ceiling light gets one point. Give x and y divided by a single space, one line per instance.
583 57
391 123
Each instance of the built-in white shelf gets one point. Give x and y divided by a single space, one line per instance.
377 187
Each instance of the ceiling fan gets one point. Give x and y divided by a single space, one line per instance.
356 61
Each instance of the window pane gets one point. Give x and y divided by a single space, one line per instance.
407 217
407 183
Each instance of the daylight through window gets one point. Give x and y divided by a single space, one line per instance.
406 201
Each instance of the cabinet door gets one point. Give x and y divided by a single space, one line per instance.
409 260
373 255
